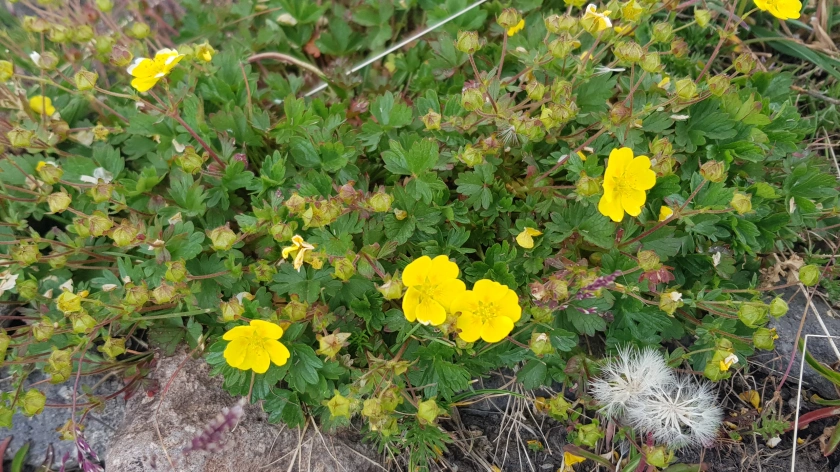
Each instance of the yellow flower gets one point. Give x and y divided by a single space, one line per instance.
601 19
727 363
41 105
488 311
298 248
525 238
569 460
781 9
432 287
582 156
204 52
256 346
69 302
625 182
664 82
516 28
147 72
665 213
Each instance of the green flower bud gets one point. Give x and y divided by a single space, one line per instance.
718 85
658 456
339 405
101 192
669 301
557 24
651 62
28 289
99 224
19 137
472 99
661 147
295 310
535 90
713 171
138 30
587 186
744 63
540 344
60 365
380 202
176 271
25 253
702 17
588 435
400 214
752 314
43 330
392 289
428 412
190 161
809 275
105 6
508 18
136 295
59 34
232 310
764 338
281 232
204 52
562 46
686 89
5 341
778 307
85 80
547 118
49 172
619 113
470 156
679 48
57 262
263 271
59 201
631 11
663 32
468 42
629 52
34 24
33 402
7 70
82 34
82 322
343 269
113 347
431 120
295 204
121 56
104 44
223 238
47 61
163 293
741 202
124 234
649 260
372 408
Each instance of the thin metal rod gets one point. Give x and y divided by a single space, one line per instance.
399 45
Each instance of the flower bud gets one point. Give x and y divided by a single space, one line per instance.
49 172
339 406
669 301
295 310
713 171
176 271
540 344
59 201
204 52
101 192
19 137
232 310
428 412
98 224
809 275
470 156
431 120
43 330
163 293
104 45
136 295
651 62
35 24
631 11
392 289
82 322
661 147
85 80
562 46
686 89
629 52
752 314
59 34
744 63
587 186
663 32
105 6
223 238
190 161
33 402
25 253
508 18
472 99
28 289
468 42
47 61
400 214
281 232
7 70
741 202
679 48
343 269
295 204
138 30
557 24
330 345
764 338
82 34
380 202
648 260
121 56
702 17
558 408
263 271
619 113
778 307
718 85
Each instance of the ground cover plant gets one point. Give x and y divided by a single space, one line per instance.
553 189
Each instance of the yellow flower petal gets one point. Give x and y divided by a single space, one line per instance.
41 105
570 459
415 273
430 312
665 213
410 302
144 84
632 201
266 329
143 68
278 352
442 269
525 238
238 332
639 174
496 329
582 156
516 28
470 327
610 206
448 292
236 351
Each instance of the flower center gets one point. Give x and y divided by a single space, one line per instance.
485 311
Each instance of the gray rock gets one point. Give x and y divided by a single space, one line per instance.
821 349
146 442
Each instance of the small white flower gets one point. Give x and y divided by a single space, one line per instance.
109 287
287 19
7 281
630 375
675 296
773 442
98 174
716 258
67 286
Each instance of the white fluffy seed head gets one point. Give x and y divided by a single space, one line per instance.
681 414
629 376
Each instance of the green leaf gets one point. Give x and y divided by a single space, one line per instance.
563 340
390 114
284 405
532 374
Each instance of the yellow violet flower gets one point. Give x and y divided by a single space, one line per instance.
433 285
525 238
569 460
665 213
147 72
298 248
781 9
255 347
41 105
625 182
516 28
727 363
600 19
488 311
